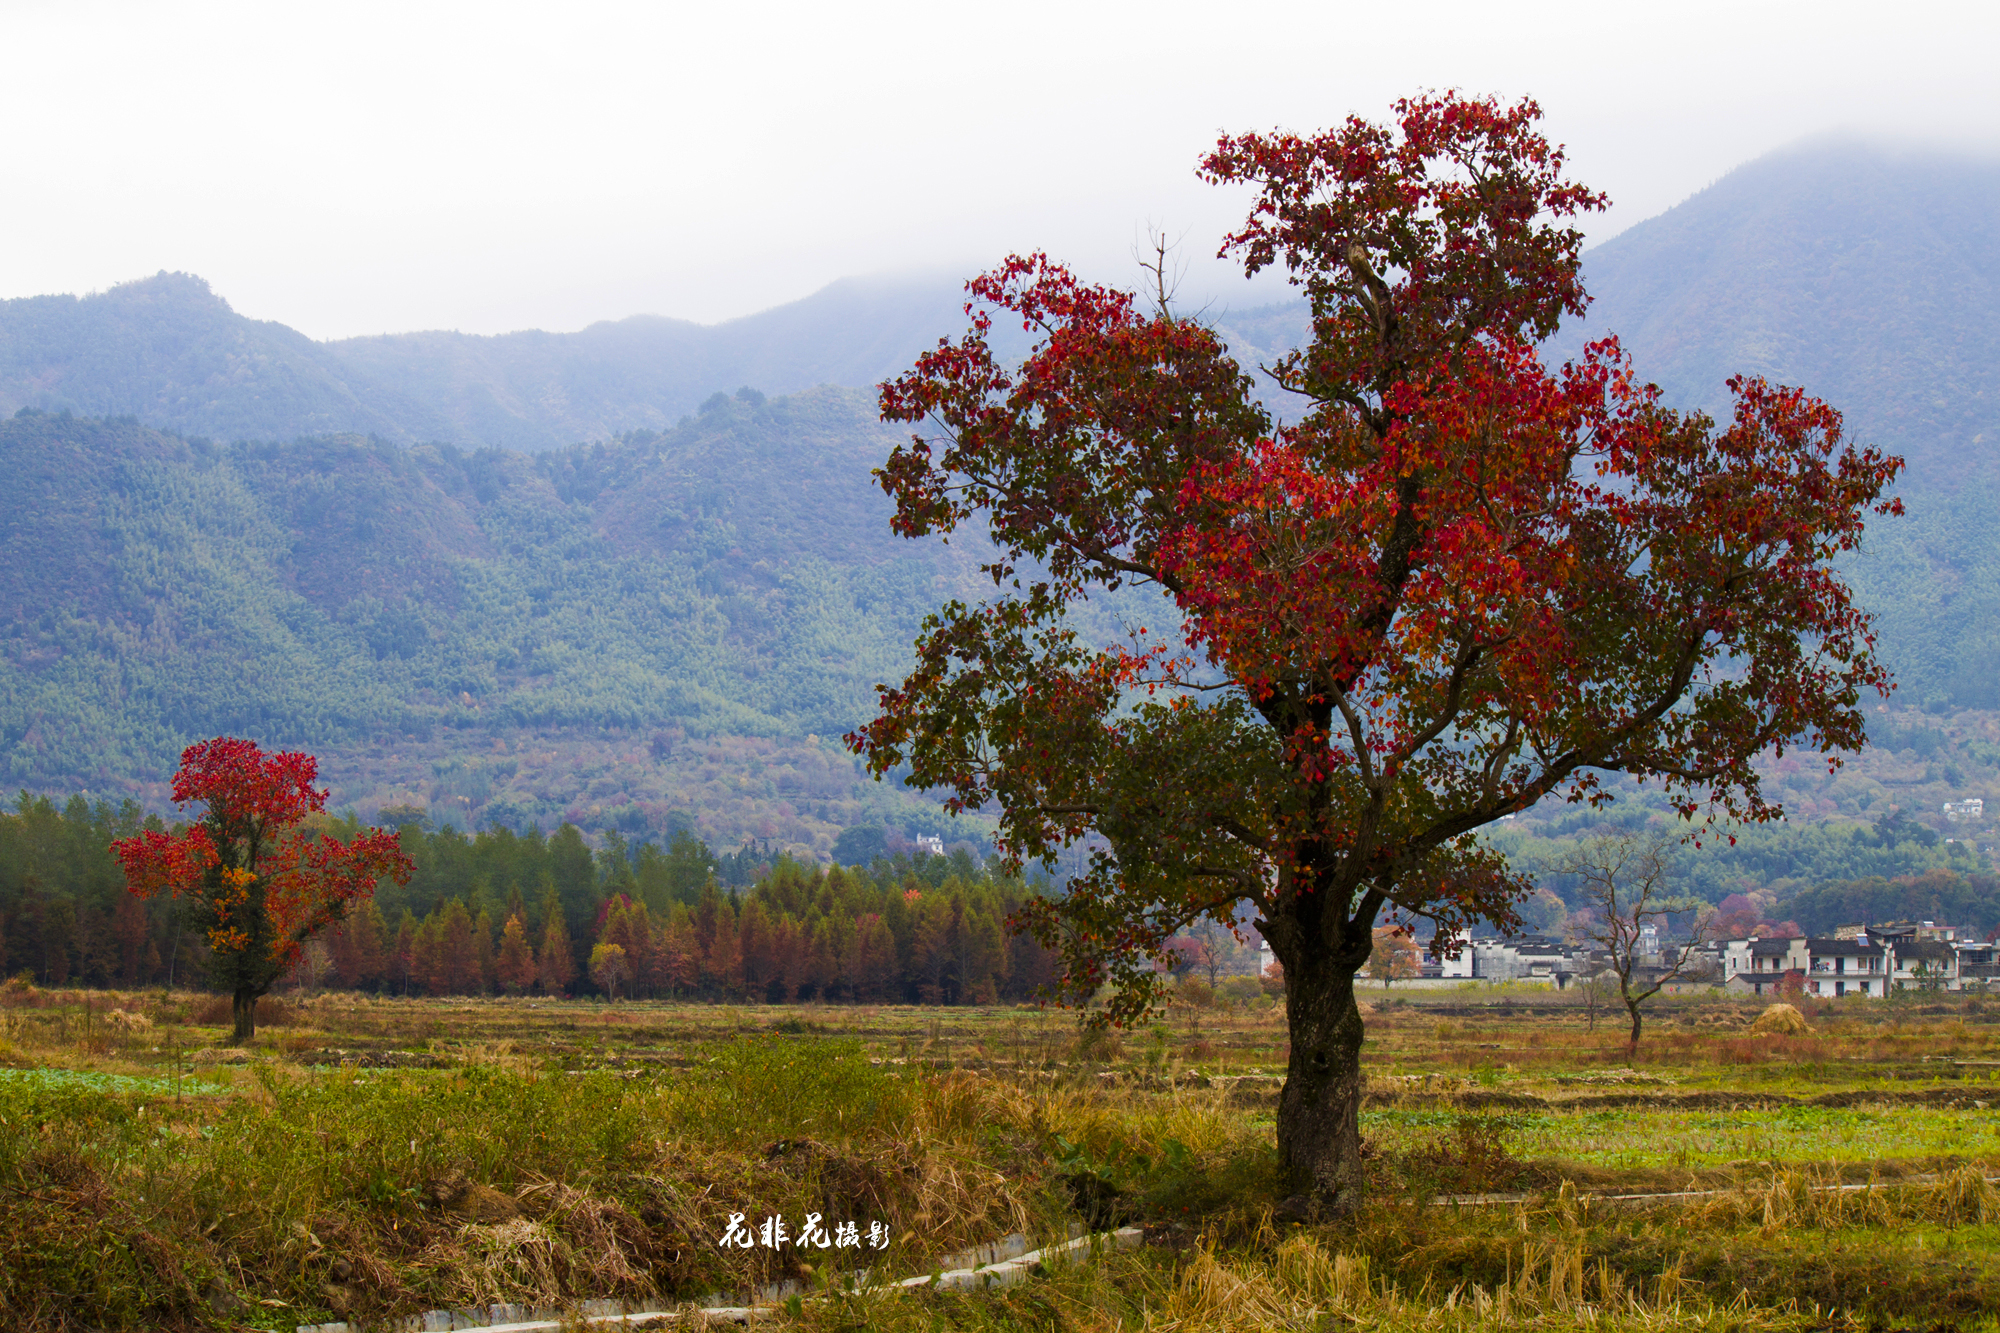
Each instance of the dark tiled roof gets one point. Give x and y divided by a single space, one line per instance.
1851 948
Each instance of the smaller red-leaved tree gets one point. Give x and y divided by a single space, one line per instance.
249 876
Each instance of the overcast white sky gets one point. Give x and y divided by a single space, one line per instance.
358 168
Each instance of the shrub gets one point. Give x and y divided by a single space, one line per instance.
1242 990
1195 993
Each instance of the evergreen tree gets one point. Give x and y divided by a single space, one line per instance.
427 956
459 964
574 873
679 961
688 867
403 960
630 926
130 928
482 952
555 965
614 867
932 951
515 966
367 934
872 966
789 969
982 957
754 943
722 958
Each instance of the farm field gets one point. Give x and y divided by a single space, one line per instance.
369 1157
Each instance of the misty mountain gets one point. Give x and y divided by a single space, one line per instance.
718 565
1865 273
170 353
1869 275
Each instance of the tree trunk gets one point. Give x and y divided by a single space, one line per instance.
244 1007
1319 1112
1634 1043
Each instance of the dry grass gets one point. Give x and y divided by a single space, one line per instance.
1305 1282
478 1151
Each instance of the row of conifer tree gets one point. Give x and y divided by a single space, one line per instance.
503 911
832 933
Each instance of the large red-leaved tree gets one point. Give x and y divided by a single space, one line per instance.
258 884
1459 582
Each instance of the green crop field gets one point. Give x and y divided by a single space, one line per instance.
370 1157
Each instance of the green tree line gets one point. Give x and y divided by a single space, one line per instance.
500 911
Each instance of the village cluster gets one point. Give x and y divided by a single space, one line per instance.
1859 959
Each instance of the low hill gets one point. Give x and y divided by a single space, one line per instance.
169 352
715 598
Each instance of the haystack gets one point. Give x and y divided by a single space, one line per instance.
1780 1018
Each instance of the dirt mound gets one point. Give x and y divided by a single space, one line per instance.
850 1185
472 1201
1781 1018
359 1059
220 1055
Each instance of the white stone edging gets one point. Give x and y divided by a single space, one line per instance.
1002 1263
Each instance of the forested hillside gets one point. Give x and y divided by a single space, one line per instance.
1871 276
615 632
1868 273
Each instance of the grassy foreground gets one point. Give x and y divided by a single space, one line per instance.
374 1157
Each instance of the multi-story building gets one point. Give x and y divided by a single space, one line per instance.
1925 965
1857 966
1520 958
1977 967
1763 966
1858 961
1898 931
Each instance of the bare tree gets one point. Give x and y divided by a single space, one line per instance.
1394 957
1593 991
1625 879
1211 946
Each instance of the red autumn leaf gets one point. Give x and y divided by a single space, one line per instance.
1459 581
256 883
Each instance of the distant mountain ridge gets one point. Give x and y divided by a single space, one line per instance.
1869 275
170 353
